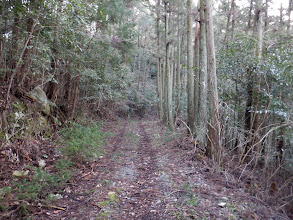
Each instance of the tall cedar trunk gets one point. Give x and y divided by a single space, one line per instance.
229 18
196 73
138 64
256 126
248 110
281 16
2 41
190 76
252 122
168 80
214 142
174 69
266 20
164 77
1 58
52 85
289 15
159 75
201 133
249 17
249 88
178 69
233 19
183 60
171 57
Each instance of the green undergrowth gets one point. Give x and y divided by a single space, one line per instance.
42 186
83 143
187 200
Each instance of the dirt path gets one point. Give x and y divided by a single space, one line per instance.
145 176
138 177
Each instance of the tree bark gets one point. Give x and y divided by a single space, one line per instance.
190 75
214 141
196 69
178 69
252 103
159 76
289 15
168 74
202 131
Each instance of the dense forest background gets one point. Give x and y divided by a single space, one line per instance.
221 69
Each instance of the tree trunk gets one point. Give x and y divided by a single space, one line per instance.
178 70
281 16
289 15
74 97
52 85
214 141
201 133
26 57
249 17
252 104
168 90
196 70
190 76
230 15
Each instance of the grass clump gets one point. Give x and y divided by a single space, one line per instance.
30 191
190 198
39 186
83 143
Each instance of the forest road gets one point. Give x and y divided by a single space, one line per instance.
128 182
149 173
138 175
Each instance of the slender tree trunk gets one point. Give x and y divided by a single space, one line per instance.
249 17
168 90
202 131
266 20
196 73
233 19
164 73
289 15
178 65
214 141
75 97
256 125
252 104
138 65
281 16
183 61
230 15
26 57
190 76
159 76
52 85
14 46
